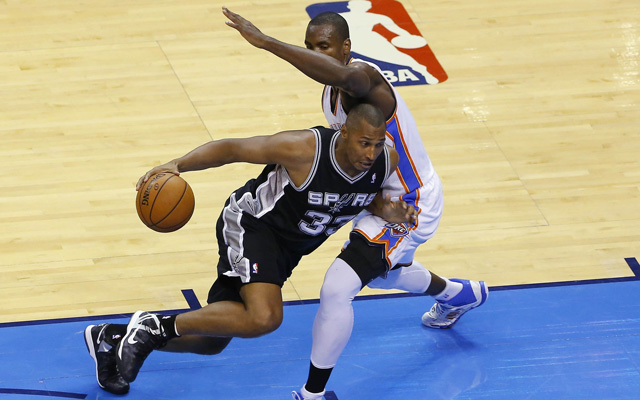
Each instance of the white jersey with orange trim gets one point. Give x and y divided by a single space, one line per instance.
415 181
414 168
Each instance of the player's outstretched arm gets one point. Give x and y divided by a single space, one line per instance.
294 150
317 66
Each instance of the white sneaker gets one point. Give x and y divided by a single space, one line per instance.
307 395
444 314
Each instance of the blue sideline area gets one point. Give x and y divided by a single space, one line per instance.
558 342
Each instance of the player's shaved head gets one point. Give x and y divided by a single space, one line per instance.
367 113
335 20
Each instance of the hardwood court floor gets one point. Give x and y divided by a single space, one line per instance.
535 134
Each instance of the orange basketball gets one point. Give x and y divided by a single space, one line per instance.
165 202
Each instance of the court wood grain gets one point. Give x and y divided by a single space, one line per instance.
535 134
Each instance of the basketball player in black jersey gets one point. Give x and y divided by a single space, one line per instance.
315 181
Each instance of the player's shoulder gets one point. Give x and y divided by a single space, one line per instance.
322 129
296 149
361 65
296 140
374 73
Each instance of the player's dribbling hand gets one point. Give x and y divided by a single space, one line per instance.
245 27
398 211
170 167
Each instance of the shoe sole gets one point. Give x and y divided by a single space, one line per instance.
88 341
484 295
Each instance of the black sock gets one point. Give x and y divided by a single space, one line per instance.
436 286
114 332
317 379
168 323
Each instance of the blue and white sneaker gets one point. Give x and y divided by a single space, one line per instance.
305 395
444 314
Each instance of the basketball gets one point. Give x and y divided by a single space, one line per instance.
165 202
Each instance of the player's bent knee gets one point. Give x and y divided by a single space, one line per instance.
263 303
341 285
341 292
264 323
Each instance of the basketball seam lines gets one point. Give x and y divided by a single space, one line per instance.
170 211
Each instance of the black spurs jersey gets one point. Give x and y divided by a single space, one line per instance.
303 217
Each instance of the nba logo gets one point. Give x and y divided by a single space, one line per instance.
382 32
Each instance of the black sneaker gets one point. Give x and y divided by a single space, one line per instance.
144 334
105 358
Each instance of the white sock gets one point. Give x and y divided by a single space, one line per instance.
450 290
308 395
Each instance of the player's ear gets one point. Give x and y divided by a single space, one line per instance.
343 131
346 47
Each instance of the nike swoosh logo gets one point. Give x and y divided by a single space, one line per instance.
99 334
120 350
131 338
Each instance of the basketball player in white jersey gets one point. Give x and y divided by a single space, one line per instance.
378 254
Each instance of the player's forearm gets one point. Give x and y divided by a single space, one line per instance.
376 207
317 66
209 155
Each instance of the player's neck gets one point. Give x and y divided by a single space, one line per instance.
342 159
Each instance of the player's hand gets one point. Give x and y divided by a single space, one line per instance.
398 211
245 27
170 167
